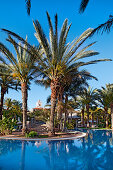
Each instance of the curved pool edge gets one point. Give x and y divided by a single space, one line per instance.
43 139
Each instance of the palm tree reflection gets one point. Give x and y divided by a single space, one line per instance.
23 155
95 151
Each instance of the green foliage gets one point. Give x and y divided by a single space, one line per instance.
12 113
70 125
42 136
40 115
7 125
31 134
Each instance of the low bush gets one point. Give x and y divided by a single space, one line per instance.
70 125
31 134
7 125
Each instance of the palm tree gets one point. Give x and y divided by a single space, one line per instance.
6 82
110 94
22 69
104 100
8 103
89 97
60 58
57 57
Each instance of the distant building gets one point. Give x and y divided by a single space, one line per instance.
38 107
38 104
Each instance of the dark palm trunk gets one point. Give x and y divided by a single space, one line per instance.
106 115
111 106
66 113
59 107
24 105
87 108
54 88
3 91
82 120
92 120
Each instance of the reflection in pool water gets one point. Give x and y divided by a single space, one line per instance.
95 151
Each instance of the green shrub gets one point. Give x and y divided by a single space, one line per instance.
31 134
42 136
70 125
7 125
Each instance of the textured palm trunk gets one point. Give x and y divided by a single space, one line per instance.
111 106
106 116
66 112
92 120
3 91
82 120
59 107
24 105
54 88
87 108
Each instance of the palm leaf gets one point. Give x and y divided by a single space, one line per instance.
83 5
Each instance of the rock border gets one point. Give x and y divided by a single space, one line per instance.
44 139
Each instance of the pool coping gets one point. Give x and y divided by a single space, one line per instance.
44 139
93 129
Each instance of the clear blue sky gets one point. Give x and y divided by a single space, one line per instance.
13 16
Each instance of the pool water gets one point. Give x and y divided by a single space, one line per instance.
92 152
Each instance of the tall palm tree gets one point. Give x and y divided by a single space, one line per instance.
22 68
57 57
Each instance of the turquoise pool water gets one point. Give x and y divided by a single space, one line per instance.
90 153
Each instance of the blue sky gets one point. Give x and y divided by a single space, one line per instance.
13 16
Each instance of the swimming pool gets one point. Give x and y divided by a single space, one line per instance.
94 151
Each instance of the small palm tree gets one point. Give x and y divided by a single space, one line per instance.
104 100
6 82
8 103
109 99
22 68
89 97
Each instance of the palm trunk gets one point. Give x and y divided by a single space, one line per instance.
54 88
106 115
92 120
3 91
87 108
111 106
66 113
59 107
24 105
82 120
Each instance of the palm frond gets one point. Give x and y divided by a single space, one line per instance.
28 6
83 5
105 27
